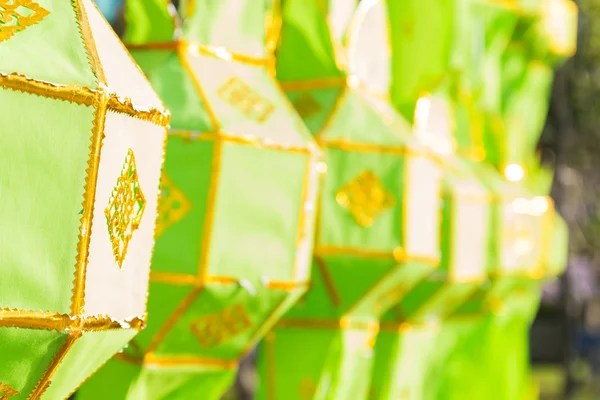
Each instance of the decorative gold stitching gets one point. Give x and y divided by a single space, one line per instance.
16 318
248 101
85 32
6 391
13 20
125 208
365 198
77 300
82 95
214 329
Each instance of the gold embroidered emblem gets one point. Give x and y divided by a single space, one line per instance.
237 93
125 208
307 106
6 392
214 329
173 205
17 15
365 198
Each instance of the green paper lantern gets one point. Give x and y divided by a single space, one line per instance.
324 315
82 136
235 227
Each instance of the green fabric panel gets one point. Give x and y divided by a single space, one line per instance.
316 303
51 50
263 207
306 41
26 353
181 384
338 227
40 219
427 49
87 354
162 302
315 106
148 21
112 381
358 120
188 166
238 25
403 363
212 300
526 112
176 89
336 367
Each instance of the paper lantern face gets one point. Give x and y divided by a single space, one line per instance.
80 190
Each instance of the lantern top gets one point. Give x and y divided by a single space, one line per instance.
68 50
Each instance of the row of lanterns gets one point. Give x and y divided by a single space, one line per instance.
355 183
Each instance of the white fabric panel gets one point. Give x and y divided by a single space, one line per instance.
121 292
122 75
521 237
369 50
283 124
422 207
469 230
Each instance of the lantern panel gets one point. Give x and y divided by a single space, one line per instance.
245 100
183 206
211 329
266 214
314 106
26 353
165 71
84 357
121 74
61 64
164 299
43 176
125 212
246 35
470 212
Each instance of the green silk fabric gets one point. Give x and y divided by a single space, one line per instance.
236 220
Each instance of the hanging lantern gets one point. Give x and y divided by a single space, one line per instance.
345 263
235 227
82 141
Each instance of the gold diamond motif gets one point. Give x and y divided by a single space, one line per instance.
307 106
173 205
125 208
17 15
365 198
6 392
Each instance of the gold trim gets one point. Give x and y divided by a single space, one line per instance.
273 32
172 320
210 211
397 255
287 286
163 361
173 278
85 32
46 379
85 230
28 319
302 215
219 52
344 144
82 95
341 324
315 84
330 286
243 139
214 120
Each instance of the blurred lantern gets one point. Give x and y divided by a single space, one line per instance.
82 140
235 224
361 283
